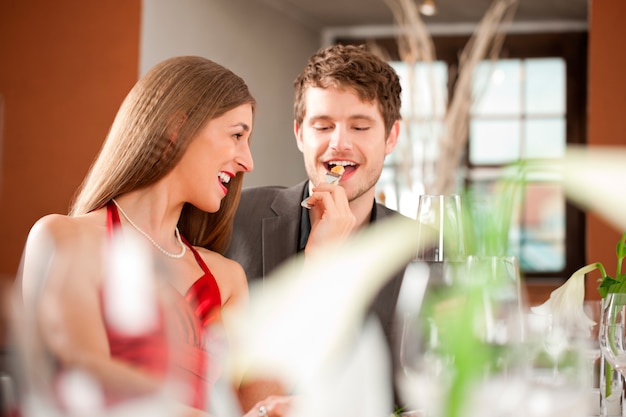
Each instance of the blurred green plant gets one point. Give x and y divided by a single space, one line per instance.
615 284
488 213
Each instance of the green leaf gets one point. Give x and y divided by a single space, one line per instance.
620 249
605 286
619 288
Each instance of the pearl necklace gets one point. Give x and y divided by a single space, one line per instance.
176 232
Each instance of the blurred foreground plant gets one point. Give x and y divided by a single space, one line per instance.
488 215
618 283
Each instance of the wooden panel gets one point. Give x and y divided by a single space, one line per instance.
607 101
66 66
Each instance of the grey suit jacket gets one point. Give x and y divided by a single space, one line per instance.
266 233
266 228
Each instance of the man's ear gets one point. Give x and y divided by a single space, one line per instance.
392 139
297 132
174 125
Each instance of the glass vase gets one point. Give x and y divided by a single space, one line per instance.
611 390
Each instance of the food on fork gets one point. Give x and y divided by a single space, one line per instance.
334 176
337 169
331 177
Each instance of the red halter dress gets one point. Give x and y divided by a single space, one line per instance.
181 347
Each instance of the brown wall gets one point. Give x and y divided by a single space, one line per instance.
606 107
64 69
606 110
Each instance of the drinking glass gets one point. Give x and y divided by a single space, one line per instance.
500 311
445 311
612 340
612 335
492 287
556 379
611 391
440 228
529 370
593 310
423 369
422 372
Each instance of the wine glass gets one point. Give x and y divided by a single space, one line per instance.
480 297
521 376
547 373
492 290
499 322
422 371
593 309
440 228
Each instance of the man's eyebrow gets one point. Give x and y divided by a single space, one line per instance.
352 117
320 117
361 117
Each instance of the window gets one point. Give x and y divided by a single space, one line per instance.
412 163
519 113
529 104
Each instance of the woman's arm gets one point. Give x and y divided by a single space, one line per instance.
61 283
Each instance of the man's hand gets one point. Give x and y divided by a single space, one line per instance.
332 220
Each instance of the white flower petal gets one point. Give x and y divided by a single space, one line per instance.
565 304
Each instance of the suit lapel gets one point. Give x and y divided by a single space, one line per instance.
281 231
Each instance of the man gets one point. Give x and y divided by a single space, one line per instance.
347 112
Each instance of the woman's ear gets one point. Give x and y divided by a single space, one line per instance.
174 126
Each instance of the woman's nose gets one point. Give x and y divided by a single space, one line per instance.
245 160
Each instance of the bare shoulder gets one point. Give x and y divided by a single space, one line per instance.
65 232
69 246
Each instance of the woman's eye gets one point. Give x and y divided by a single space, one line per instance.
238 136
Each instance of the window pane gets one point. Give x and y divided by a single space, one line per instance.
416 153
424 90
545 86
412 164
545 138
398 190
494 142
496 88
543 225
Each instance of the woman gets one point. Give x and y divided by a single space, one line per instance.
170 172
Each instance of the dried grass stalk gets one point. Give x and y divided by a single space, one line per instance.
415 45
414 42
